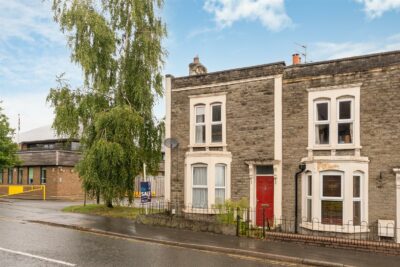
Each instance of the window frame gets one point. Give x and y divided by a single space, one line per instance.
317 122
309 196
202 124
208 100
215 182
212 122
43 180
343 121
360 198
334 94
28 177
336 199
199 165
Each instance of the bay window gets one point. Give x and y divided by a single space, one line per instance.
335 200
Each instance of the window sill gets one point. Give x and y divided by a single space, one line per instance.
207 145
348 229
334 147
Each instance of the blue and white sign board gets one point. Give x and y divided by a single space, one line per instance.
145 192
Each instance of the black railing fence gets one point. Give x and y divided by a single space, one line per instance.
258 222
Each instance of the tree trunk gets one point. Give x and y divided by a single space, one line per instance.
98 197
109 204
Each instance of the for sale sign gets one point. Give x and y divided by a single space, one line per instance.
145 192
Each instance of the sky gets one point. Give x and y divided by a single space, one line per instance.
223 33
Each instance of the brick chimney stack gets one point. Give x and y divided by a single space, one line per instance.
196 67
296 59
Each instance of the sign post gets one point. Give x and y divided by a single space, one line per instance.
145 193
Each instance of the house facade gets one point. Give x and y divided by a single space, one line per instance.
252 132
46 159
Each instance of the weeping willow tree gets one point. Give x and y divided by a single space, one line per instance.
117 43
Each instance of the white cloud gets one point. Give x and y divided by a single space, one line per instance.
271 13
32 108
375 8
331 50
27 20
32 52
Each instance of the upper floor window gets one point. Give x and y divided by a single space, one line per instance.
216 123
200 124
345 121
321 122
334 118
207 120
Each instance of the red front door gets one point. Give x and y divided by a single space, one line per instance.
265 200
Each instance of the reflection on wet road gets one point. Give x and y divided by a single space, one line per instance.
29 244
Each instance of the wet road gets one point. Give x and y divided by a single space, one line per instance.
29 244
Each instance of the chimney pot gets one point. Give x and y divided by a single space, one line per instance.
196 67
296 59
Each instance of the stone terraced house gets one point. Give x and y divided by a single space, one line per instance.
252 132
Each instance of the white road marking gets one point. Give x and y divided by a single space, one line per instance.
37 257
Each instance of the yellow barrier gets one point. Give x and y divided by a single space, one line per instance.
22 189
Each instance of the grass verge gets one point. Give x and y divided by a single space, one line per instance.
102 210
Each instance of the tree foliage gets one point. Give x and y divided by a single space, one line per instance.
8 148
117 43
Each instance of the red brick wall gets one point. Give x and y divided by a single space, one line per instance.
61 183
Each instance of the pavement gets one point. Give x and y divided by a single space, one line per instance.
47 214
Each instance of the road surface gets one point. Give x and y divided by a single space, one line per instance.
24 243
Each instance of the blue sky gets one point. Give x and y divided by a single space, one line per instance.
224 33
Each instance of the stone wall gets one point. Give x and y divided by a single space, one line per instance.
249 122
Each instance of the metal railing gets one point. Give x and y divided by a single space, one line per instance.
256 223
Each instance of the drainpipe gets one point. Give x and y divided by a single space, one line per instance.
302 167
